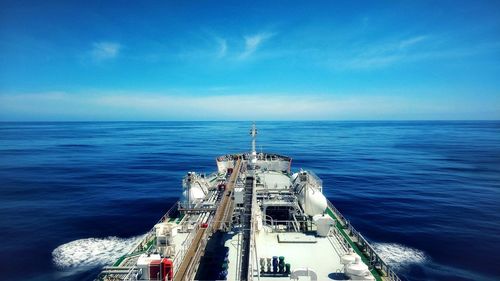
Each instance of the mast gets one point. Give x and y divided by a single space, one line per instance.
253 155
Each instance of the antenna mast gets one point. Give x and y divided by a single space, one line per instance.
253 156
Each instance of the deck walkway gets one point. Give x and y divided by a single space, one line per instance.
222 215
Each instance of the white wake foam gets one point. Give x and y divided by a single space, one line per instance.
92 251
397 255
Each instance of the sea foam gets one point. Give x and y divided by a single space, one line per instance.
397 255
92 251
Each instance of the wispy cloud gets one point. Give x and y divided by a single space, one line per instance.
377 55
253 42
222 47
230 48
382 54
411 41
105 50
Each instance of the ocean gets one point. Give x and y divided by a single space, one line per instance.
74 196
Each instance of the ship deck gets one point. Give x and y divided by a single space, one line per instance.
321 254
261 237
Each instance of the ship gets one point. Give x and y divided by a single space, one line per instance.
252 219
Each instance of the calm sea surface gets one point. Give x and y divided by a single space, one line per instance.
426 194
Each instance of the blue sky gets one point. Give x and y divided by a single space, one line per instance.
270 60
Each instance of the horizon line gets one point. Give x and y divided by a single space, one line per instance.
303 120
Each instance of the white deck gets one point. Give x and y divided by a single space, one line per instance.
273 180
233 244
321 254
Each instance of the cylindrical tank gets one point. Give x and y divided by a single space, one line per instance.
323 224
313 201
262 264
348 258
195 193
281 264
358 270
275 264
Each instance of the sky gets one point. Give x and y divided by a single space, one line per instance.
239 60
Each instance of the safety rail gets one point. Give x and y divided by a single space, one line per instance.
334 233
314 180
290 224
190 255
253 245
375 260
149 236
141 247
181 253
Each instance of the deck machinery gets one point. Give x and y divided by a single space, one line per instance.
252 219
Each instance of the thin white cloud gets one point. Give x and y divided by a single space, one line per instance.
258 106
369 62
253 42
383 54
105 50
411 41
409 50
222 49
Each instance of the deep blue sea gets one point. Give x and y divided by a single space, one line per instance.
426 194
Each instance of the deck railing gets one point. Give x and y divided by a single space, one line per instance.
288 225
375 260
133 270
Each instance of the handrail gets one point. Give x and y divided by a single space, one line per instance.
375 257
342 242
148 236
317 181
290 224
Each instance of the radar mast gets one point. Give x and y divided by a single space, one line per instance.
253 156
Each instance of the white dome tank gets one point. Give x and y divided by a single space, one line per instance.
195 187
349 257
313 201
358 270
195 194
323 224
